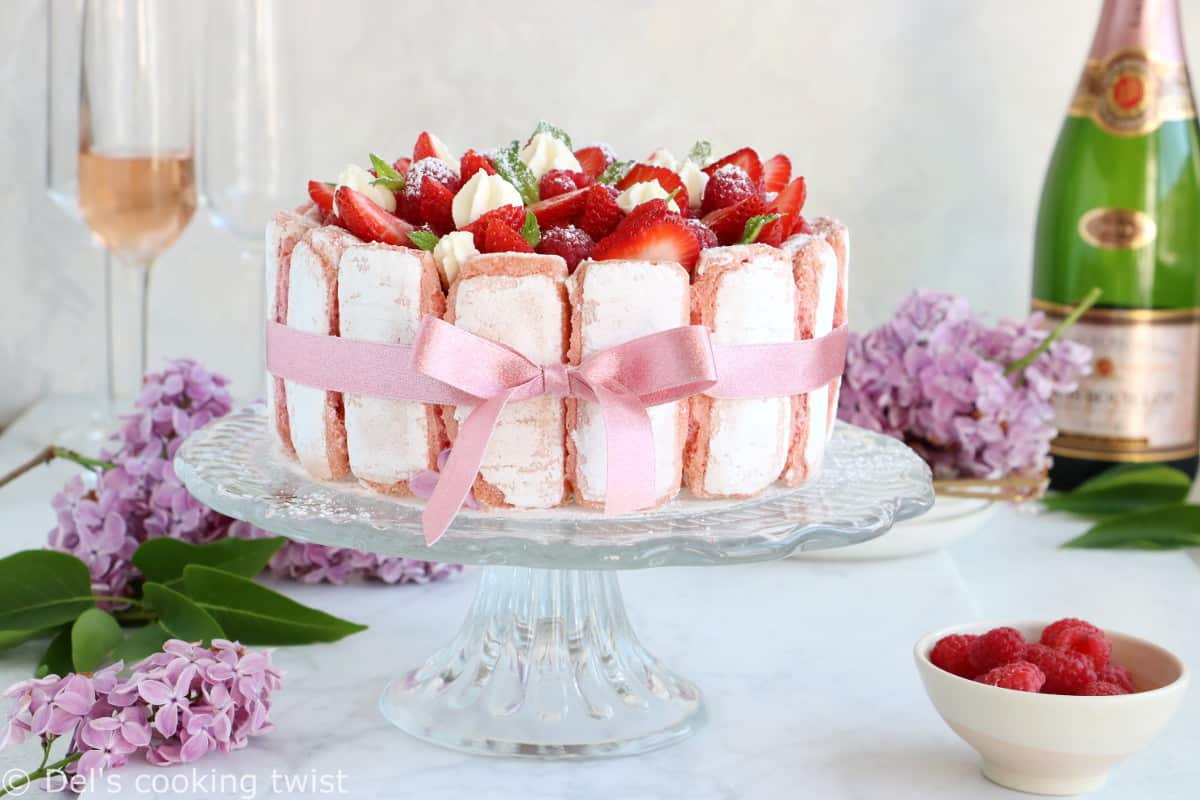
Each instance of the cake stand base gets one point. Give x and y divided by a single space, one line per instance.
547 666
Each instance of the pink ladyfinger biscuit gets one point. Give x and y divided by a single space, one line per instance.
383 291
838 236
518 299
283 232
744 294
613 302
316 416
815 269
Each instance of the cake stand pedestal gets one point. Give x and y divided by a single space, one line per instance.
546 663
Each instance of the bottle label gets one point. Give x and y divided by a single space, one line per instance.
1131 93
1141 403
1117 228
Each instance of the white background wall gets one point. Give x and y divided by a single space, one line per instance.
925 124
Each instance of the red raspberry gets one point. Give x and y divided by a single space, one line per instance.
601 214
1100 689
570 242
996 647
1116 674
950 654
512 216
561 181
728 186
1019 675
1066 672
1055 628
704 235
1079 639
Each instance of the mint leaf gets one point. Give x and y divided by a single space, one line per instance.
180 616
701 153
386 175
141 643
163 560
530 231
42 589
508 164
1123 489
426 240
253 614
1164 528
556 132
754 227
57 658
615 172
93 637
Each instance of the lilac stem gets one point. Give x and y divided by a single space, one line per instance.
1087 302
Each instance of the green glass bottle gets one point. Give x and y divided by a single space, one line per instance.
1120 210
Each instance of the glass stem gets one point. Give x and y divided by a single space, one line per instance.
128 315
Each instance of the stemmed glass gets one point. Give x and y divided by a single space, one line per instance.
249 165
135 157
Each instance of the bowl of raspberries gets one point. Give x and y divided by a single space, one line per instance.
1050 707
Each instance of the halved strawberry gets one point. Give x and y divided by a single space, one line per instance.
790 199
661 240
402 164
594 160
559 210
730 223
777 171
499 238
321 193
668 180
437 207
601 214
429 146
366 220
745 158
511 216
472 162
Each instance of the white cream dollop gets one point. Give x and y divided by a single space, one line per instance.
545 152
694 180
664 158
642 192
480 195
451 252
360 181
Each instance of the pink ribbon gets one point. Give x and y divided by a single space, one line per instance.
447 365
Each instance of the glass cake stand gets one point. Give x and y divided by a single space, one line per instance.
547 664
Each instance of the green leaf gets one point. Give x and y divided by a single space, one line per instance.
93 637
141 643
615 172
163 559
11 639
754 227
556 132
180 616
1164 528
42 589
1123 489
426 240
531 231
701 153
57 658
386 175
253 614
508 164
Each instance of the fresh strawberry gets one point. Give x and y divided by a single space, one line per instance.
428 146
775 231
601 214
368 221
569 242
728 186
560 210
402 164
510 216
471 163
790 199
500 238
436 207
594 160
730 223
649 211
425 170
661 240
777 171
668 180
322 194
704 235
745 158
561 181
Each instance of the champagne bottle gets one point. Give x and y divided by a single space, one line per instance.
1120 210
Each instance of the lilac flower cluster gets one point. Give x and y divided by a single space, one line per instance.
935 377
103 519
174 707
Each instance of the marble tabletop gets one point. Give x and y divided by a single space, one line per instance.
806 668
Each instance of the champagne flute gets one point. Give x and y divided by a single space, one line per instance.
136 177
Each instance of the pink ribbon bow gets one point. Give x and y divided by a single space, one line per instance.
624 381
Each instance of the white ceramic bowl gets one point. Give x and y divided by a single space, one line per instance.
1055 744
